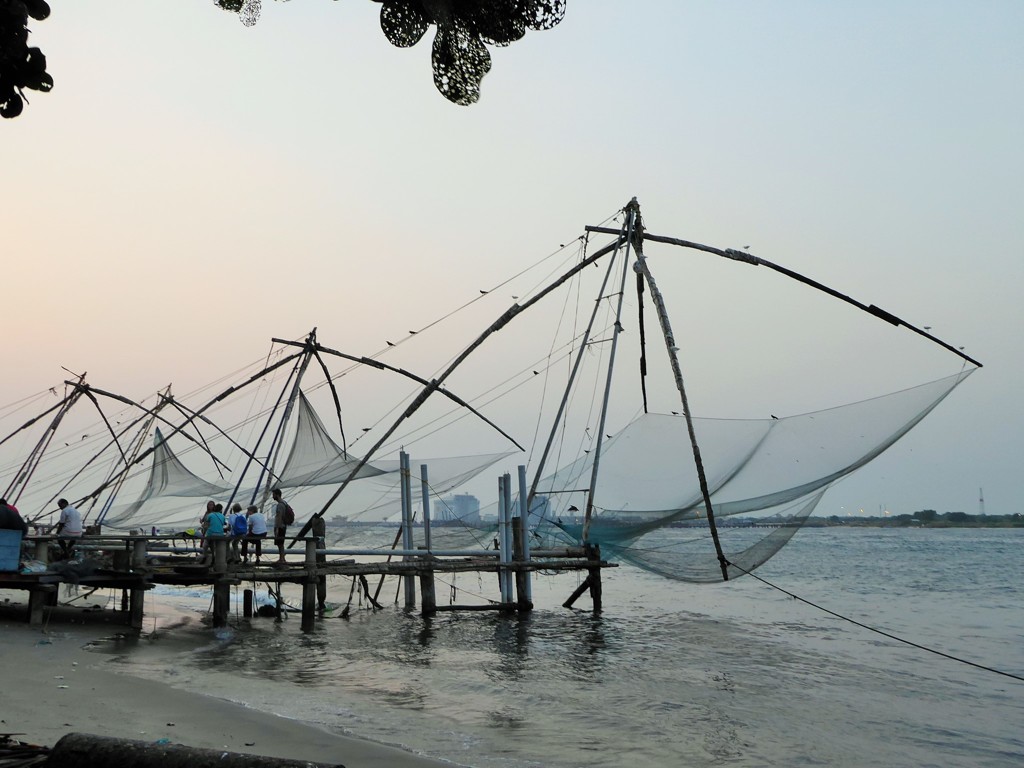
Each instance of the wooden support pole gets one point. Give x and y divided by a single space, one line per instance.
579 591
371 599
136 602
525 591
36 602
247 603
409 581
309 586
221 601
308 605
319 530
594 577
380 583
220 554
523 602
595 588
139 553
506 541
428 598
425 493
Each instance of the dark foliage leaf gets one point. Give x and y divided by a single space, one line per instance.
460 61
20 66
499 22
11 106
404 22
544 14
37 9
41 82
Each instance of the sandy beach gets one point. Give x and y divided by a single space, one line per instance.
53 685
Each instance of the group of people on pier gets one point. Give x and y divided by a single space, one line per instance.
11 519
241 528
68 528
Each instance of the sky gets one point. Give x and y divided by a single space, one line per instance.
192 188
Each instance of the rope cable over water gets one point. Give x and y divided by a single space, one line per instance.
889 635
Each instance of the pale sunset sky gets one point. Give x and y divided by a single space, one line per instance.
192 187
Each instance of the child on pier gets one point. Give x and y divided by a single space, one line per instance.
237 528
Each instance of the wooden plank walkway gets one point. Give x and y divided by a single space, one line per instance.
136 564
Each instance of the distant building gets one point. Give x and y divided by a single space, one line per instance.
462 507
540 510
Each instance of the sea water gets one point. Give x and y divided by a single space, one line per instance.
669 674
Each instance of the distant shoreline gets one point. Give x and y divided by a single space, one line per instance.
890 522
924 519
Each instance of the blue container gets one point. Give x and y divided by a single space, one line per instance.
10 549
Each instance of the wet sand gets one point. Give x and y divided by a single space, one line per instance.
52 685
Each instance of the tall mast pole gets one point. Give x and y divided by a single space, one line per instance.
584 344
435 384
276 447
137 447
670 345
632 214
24 474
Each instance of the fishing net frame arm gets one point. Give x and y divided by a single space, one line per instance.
749 258
642 270
317 347
28 467
196 414
435 384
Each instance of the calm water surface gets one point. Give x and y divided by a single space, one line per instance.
670 674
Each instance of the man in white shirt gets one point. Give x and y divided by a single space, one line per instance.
257 532
69 527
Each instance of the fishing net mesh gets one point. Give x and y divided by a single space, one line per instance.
648 507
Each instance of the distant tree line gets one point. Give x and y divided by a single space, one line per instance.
931 519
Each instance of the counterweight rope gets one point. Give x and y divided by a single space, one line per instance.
889 635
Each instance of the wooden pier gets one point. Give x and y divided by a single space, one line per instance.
136 564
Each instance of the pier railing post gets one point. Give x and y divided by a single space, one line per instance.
139 553
594 577
221 589
524 584
428 596
309 588
43 551
221 602
37 600
136 596
409 581
136 607
319 531
503 548
425 495
220 554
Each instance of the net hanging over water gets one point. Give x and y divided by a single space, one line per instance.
763 467
173 494
631 484
168 478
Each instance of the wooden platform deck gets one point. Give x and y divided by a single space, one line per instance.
136 564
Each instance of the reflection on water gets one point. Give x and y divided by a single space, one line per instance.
669 674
